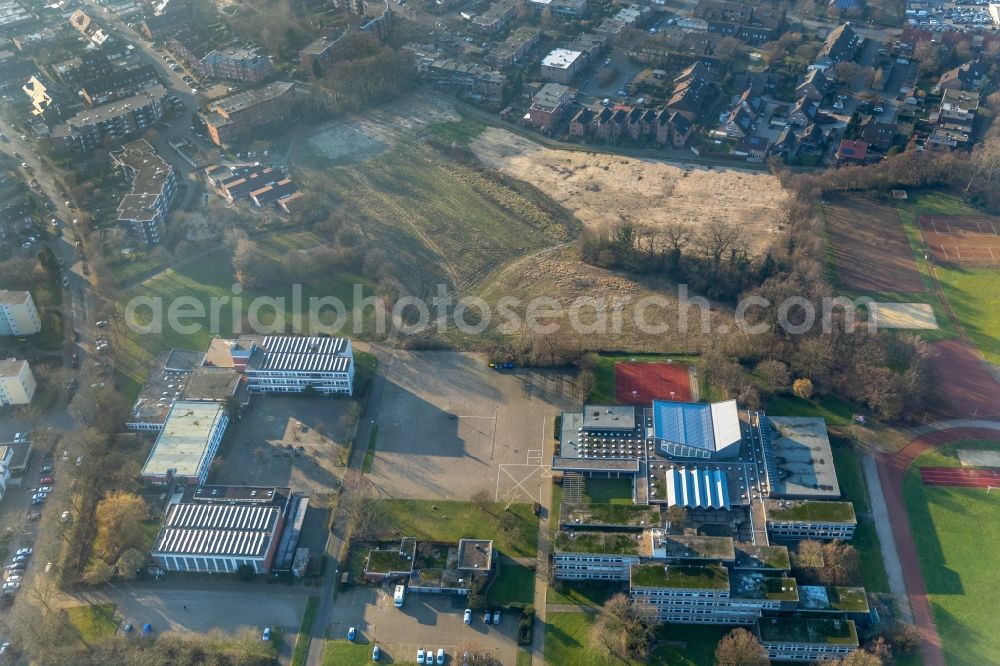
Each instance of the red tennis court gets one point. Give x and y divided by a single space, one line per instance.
963 239
959 476
642 383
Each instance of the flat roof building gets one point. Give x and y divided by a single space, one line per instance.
798 457
809 519
807 640
562 65
17 383
220 529
153 183
18 315
291 364
231 117
697 430
187 444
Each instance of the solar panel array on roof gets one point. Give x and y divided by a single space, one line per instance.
282 352
217 529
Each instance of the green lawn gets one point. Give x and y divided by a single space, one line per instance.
568 635
513 583
93 622
608 491
346 653
957 533
438 520
836 411
583 593
974 296
852 485
211 277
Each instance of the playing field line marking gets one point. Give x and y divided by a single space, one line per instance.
518 483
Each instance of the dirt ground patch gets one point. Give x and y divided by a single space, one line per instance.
869 246
964 387
610 302
602 188
963 239
905 315
359 138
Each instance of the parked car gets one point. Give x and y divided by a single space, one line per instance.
376 653
496 617
468 616
267 634
486 617
23 551
19 558
147 629
45 489
440 657
420 656
47 479
351 633
47 468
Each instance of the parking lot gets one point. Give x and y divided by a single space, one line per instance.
425 621
450 426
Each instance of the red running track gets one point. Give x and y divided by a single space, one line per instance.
957 476
891 470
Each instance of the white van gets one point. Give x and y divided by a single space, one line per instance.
400 594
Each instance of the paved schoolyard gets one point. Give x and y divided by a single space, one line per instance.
450 426
425 620
263 447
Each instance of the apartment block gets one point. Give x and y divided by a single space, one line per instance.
18 315
319 54
237 65
514 47
17 383
562 65
805 519
496 18
144 208
115 121
572 8
463 78
117 84
232 117
549 105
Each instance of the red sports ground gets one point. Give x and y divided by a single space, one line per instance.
641 383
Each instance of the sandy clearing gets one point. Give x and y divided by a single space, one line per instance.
905 315
600 187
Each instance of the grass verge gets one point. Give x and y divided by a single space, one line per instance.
346 653
514 583
301 649
370 452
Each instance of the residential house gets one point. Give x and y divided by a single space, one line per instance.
876 134
802 112
690 88
571 8
153 184
237 64
641 124
562 65
814 86
752 147
612 124
18 315
117 84
673 129
968 76
581 124
591 46
17 383
232 117
549 105
114 121
840 46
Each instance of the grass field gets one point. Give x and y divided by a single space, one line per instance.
514 583
852 485
93 622
450 521
568 636
957 533
583 593
346 653
212 277
835 410
974 296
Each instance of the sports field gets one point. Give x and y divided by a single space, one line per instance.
641 383
869 246
963 239
957 535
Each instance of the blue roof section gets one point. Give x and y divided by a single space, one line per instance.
686 423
